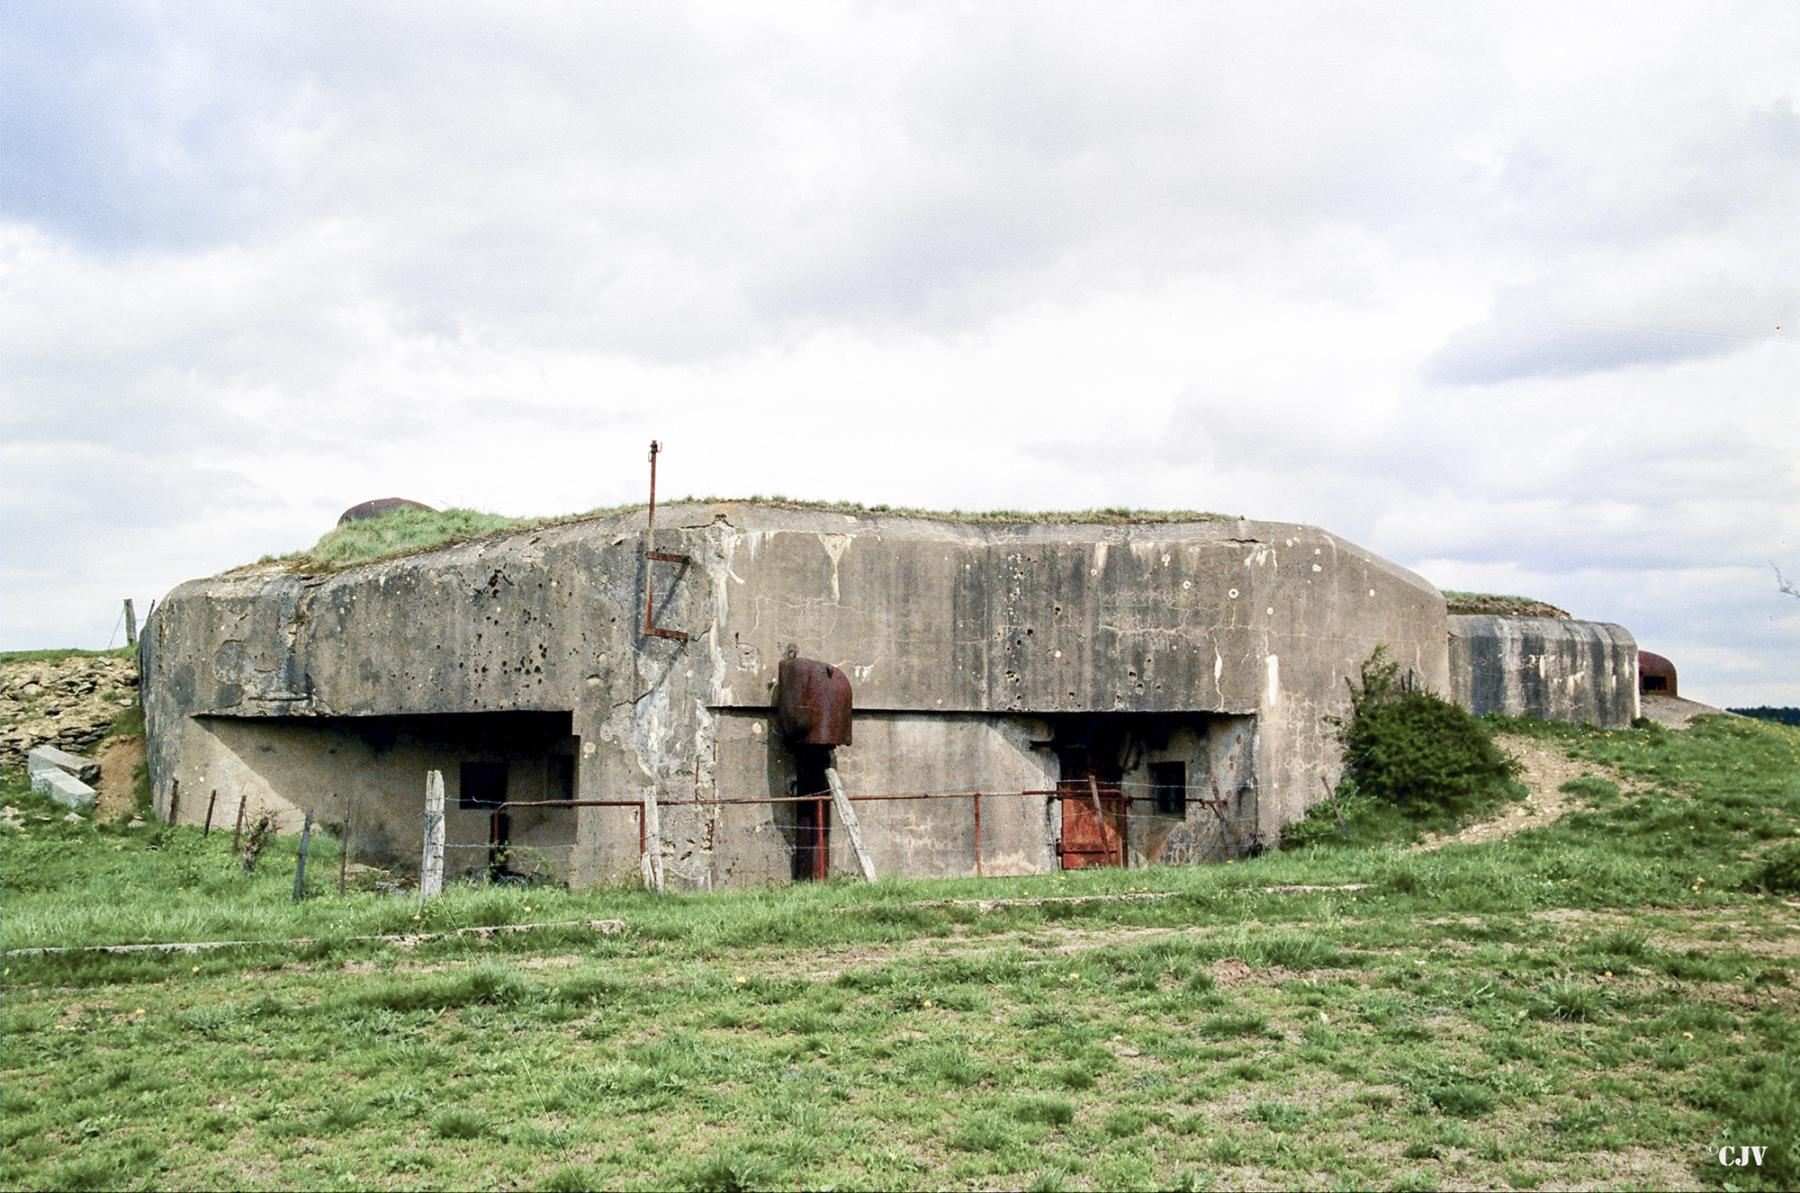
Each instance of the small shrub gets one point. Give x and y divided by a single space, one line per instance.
459 1124
1228 1150
1459 1099
729 1171
1575 1001
1277 1116
256 839
1415 750
1125 1122
982 1133
1052 1112
571 1179
1244 1023
1779 871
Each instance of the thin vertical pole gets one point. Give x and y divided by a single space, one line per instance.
821 864
493 869
174 800
237 830
211 800
978 873
300 865
344 856
650 542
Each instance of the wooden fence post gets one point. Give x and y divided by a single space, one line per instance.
847 814
343 856
650 832
207 831
237 831
130 623
174 800
977 802
300 865
431 865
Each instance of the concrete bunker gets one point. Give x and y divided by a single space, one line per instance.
1026 696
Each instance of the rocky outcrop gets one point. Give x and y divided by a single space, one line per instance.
67 703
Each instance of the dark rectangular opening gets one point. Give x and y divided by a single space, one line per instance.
1655 683
1168 785
483 785
560 777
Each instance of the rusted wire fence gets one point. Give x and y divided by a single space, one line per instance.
928 833
697 840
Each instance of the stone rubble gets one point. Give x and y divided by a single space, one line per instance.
66 703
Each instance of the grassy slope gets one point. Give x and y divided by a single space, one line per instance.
1596 1001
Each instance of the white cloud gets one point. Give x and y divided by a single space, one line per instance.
1506 294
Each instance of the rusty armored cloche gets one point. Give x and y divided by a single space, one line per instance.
379 506
812 703
1655 674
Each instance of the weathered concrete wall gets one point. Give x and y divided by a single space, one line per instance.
1555 669
370 773
1254 618
538 621
955 636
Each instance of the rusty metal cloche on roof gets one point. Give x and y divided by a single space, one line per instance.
812 703
363 511
1655 674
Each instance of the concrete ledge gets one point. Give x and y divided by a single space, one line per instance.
63 787
49 757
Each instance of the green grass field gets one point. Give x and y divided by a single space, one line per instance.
1601 1003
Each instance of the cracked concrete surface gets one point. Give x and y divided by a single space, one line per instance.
965 642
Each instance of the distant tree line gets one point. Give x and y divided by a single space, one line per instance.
1784 716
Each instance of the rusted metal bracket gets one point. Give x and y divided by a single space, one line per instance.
651 629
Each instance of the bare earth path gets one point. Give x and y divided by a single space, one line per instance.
1543 770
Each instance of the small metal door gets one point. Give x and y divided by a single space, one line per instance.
1093 815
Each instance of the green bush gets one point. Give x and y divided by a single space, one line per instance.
1412 749
1779 871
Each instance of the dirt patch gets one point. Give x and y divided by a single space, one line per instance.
115 793
1543 769
563 961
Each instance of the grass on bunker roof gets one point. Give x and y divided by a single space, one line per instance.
1499 604
408 531
1604 1002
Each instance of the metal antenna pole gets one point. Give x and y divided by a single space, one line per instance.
652 555
650 544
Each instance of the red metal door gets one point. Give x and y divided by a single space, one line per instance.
1093 817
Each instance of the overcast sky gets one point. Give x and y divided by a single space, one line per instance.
1508 294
